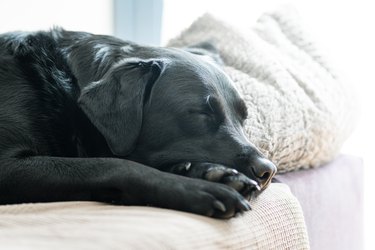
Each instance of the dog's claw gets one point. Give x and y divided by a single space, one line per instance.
187 165
248 203
234 171
253 183
250 196
220 206
245 205
181 168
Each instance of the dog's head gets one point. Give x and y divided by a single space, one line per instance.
168 106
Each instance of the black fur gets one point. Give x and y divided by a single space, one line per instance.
81 116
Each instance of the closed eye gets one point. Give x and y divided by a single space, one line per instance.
202 112
205 119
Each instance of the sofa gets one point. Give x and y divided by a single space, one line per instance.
307 209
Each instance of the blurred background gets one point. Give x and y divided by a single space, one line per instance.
344 30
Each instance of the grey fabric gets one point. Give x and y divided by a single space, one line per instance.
331 198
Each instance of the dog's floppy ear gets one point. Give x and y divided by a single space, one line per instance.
114 104
205 48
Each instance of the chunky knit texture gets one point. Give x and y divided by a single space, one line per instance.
300 114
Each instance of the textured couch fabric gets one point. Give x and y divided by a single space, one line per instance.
300 113
276 222
332 202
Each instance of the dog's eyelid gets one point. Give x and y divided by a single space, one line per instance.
209 103
213 106
201 112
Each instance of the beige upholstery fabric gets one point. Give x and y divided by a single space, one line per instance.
299 112
276 222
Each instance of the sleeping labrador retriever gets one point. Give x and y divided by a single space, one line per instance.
95 118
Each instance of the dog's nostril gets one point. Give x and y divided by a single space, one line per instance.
266 176
262 175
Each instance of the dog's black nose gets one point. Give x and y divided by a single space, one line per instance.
253 164
263 171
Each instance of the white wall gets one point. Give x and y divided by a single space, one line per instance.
89 15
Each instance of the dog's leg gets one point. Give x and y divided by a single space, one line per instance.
217 173
44 179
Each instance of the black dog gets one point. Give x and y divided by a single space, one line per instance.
82 117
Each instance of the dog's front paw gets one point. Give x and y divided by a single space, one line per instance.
233 178
207 198
218 173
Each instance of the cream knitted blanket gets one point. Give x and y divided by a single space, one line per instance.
299 112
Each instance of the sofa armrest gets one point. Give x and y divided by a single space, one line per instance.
276 222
